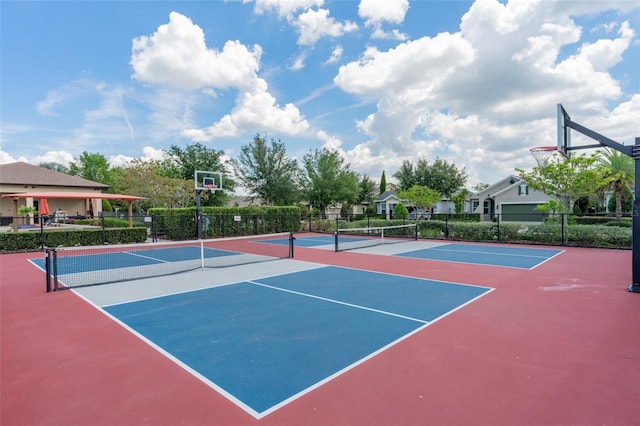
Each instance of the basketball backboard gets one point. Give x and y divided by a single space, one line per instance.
564 132
208 181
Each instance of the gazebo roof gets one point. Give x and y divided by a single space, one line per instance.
74 195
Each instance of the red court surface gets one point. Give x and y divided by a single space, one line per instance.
555 345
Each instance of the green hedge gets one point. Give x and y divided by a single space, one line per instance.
31 241
180 224
609 234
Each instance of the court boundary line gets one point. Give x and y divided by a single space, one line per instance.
326 299
477 264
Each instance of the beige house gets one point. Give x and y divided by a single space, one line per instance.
16 178
26 185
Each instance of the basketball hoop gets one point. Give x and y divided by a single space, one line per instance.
542 154
212 187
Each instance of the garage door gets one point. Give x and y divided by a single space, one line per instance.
520 213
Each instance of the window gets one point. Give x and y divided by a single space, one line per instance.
523 189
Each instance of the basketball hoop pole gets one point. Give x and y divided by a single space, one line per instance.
634 153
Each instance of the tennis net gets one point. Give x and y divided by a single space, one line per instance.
355 238
72 267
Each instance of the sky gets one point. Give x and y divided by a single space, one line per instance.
475 83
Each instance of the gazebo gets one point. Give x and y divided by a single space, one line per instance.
88 196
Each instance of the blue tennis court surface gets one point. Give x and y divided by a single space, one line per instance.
513 257
263 343
316 240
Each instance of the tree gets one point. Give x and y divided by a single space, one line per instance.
55 166
267 172
444 178
568 179
383 183
459 199
621 170
182 163
92 167
626 199
328 180
367 189
405 175
148 179
424 198
401 212
440 176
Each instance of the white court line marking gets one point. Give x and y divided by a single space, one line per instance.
339 302
487 252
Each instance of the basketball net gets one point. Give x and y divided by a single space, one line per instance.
542 154
212 187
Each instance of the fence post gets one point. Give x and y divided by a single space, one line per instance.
498 223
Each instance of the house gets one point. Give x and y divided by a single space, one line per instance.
26 185
387 201
511 199
244 201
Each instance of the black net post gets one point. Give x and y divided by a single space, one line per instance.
291 239
55 270
42 232
47 267
335 237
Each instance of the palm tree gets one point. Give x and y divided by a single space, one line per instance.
622 170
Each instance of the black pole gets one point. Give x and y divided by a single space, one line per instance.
104 231
41 233
291 239
47 266
55 270
335 237
635 269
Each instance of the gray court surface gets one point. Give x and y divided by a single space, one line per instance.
110 294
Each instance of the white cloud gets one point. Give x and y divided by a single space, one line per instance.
485 95
336 54
314 24
378 12
177 55
375 12
256 111
6 158
284 8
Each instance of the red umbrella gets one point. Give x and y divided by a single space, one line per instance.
43 207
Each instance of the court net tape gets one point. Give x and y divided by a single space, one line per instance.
355 238
70 267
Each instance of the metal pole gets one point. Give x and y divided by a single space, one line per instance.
47 266
635 269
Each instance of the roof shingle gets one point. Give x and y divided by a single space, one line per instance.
21 173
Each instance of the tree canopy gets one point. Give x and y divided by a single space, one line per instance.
182 163
266 171
328 180
92 166
621 171
567 179
423 197
440 176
